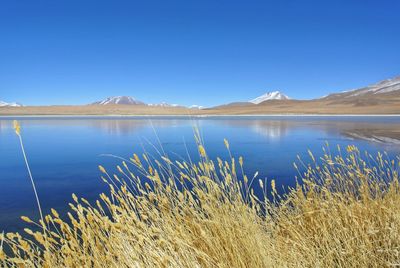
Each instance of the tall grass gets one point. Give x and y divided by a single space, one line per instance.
17 128
344 212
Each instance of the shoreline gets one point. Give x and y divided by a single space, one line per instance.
197 115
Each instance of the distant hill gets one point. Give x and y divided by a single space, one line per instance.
235 104
381 93
127 100
123 100
10 104
195 106
274 95
269 96
164 104
379 98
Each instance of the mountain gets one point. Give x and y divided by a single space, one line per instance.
275 95
122 100
194 106
389 87
9 104
126 100
379 98
164 104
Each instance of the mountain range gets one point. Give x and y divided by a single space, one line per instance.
389 87
379 93
127 100
121 100
381 97
274 95
9 104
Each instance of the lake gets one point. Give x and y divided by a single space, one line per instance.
64 152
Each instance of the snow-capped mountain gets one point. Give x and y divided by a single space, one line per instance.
387 86
275 95
124 100
10 104
194 106
163 104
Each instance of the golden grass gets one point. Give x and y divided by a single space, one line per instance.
344 213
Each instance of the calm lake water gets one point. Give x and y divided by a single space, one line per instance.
64 152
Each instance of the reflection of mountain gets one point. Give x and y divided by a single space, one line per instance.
382 130
373 129
115 126
274 129
119 127
129 126
373 137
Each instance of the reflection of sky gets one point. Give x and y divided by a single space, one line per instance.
4 125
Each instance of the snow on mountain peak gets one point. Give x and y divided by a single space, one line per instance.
9 104
384 86
274 95
125 100
194 106
163 104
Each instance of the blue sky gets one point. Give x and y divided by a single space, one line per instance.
193 52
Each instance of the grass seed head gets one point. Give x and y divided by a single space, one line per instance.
17 127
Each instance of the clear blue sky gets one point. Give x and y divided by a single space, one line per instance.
193 52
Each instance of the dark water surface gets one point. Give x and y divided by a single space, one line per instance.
64 152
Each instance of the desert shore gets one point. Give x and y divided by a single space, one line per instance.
287 108
191 115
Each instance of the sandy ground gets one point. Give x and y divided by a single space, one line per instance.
94 110
388 106
315 107
389 134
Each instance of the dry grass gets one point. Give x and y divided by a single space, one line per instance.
345 213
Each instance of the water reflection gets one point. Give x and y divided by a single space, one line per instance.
126 126
114 126
274 129
118 127
385 130
4 125
373 129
